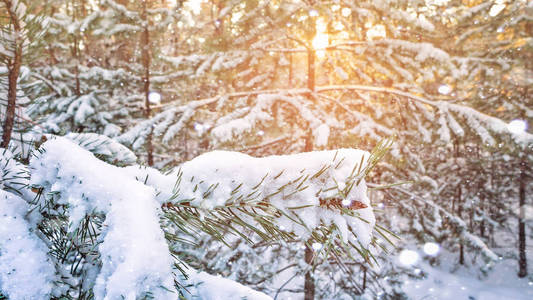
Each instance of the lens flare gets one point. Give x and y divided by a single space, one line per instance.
408 257
154 97
431 249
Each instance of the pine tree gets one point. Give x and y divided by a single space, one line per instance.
19 38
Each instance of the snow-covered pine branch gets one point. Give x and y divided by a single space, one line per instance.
175 118
82 185
298 196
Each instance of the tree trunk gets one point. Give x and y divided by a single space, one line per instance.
491 208
309 285
522 260
14 70
459 213
77 68
145 41
290 70
310 96
364 279
311 69
482 224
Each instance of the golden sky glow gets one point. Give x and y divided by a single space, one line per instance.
321 39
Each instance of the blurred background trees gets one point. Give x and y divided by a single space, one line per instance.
449 80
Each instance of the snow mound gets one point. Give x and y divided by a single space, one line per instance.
209 287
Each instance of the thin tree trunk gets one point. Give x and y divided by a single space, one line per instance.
75 51
457 199
459 213
481 192
311 69
491 209
522 259
145 41
309 285
364 278
482 224
290 70
14 70
185 146
310 96
76 68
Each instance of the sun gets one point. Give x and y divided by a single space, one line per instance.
321 40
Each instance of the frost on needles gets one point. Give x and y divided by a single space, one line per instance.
135 210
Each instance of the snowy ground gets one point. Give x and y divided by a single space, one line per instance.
500 284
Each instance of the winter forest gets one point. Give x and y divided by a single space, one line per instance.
266 149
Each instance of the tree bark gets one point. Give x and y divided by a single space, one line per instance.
76 54
309 285
145 41
310 96
311 69
364 278
522 259
14 70
290 71
459 213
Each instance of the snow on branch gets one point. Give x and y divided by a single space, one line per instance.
26 271
472 240
14 175
173 120
74 178
301 197
313 188
214 287
261 113
474 118
107 148
494 124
